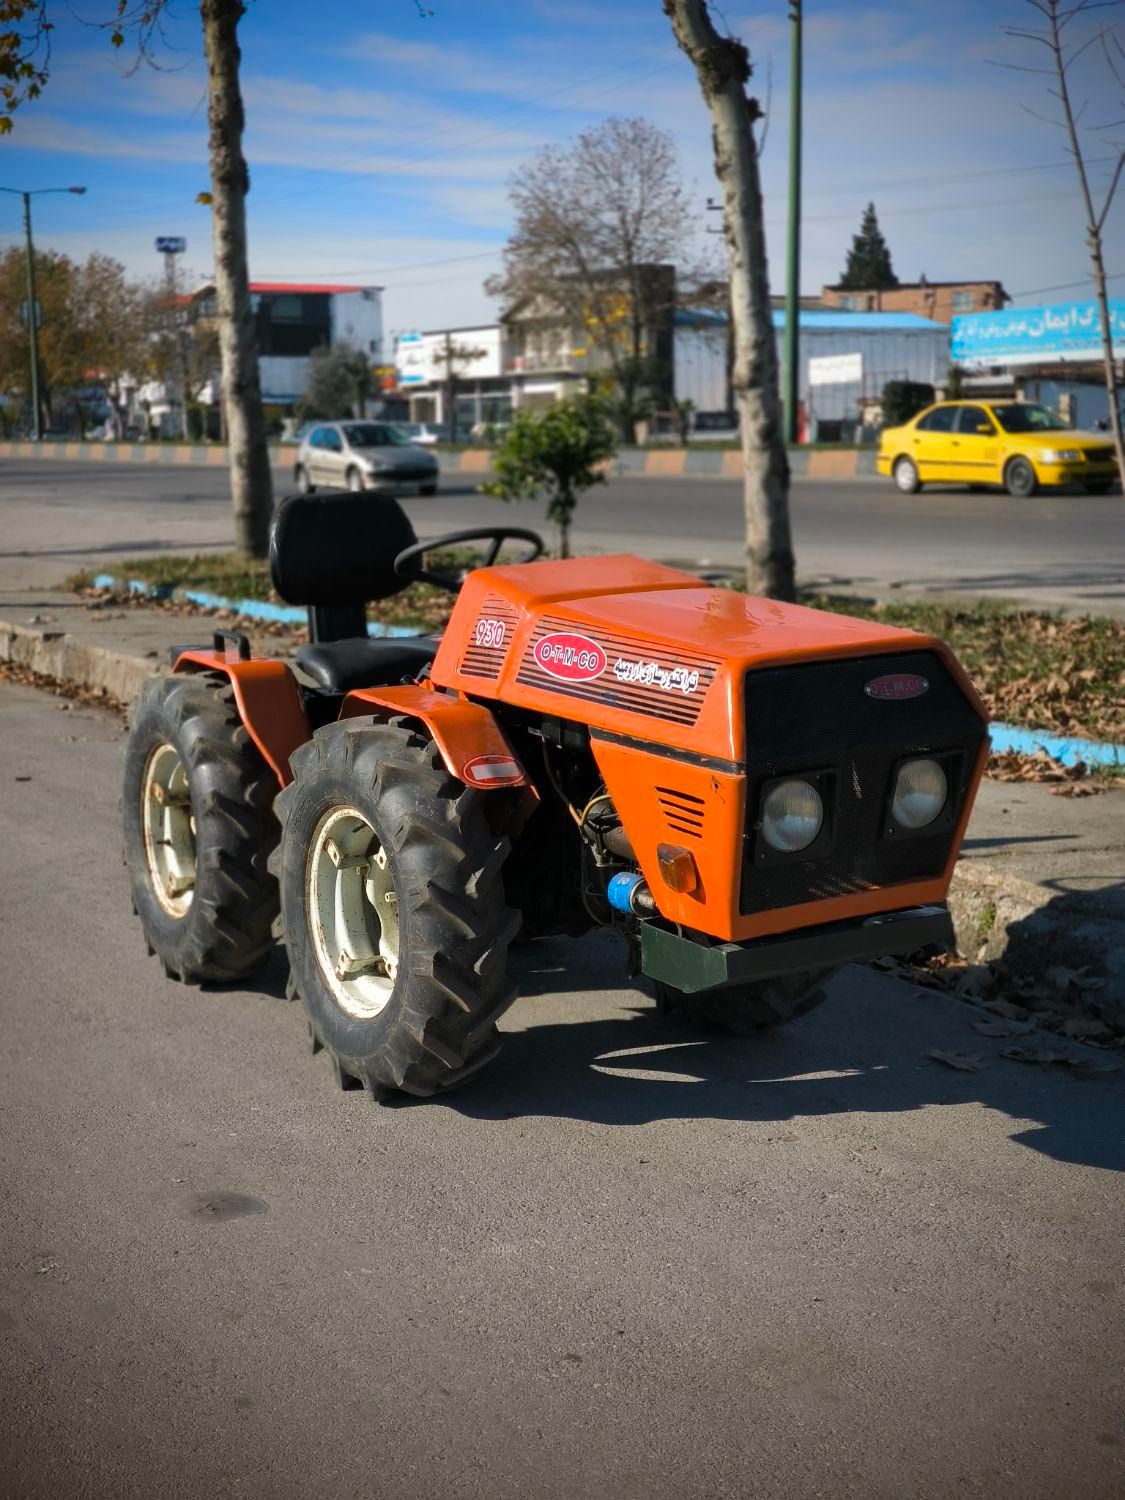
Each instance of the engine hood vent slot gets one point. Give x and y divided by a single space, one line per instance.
682 811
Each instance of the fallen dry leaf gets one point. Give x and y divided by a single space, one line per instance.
1006 1009
964 1062
1003 1028
1082 1028
1031 1053
1095 1063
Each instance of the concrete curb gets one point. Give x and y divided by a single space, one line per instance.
1032 928
648 463
53 653
996 916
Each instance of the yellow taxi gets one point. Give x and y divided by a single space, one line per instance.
1011 443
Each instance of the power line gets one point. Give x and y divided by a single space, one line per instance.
1066 286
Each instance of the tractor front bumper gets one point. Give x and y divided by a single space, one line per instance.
691 966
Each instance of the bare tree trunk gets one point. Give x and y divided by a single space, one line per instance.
251 484
1094 223
723 68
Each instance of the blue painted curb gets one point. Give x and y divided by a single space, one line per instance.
252 609
1006 737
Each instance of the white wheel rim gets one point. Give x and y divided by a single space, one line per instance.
904 475
353 912
355 483
169 830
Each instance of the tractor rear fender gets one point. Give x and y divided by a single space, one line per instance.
471 742
268 699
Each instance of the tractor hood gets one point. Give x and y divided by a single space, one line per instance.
636 649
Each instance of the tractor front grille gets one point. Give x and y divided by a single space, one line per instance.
818 719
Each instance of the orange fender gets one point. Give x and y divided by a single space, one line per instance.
269 702
471 742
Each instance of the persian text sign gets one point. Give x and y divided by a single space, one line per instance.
1065 332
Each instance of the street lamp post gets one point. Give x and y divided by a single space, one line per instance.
32 310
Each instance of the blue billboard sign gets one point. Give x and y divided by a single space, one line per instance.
1063 333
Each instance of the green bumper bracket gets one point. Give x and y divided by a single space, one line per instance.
691 965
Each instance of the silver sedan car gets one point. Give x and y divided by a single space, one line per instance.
363 456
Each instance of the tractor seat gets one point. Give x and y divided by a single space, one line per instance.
359 662
335 554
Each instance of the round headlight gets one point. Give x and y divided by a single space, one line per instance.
920 793
792 816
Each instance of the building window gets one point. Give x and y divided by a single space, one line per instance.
853 304
285 310
963 302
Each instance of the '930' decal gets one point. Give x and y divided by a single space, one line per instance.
489 632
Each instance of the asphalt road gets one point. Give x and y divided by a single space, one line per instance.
1057 550
629 1261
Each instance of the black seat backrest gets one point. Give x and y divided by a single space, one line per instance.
336 553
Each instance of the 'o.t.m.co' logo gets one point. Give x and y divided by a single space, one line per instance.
896 686
573 658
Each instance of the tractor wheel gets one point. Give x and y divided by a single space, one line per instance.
1019 479
393 909
197 805
747 1008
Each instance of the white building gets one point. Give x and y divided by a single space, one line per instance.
291 319
422 363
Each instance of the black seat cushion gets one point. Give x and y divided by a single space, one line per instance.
338 549
339 666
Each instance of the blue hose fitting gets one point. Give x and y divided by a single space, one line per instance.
629 893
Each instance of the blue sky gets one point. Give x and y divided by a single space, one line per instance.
380 141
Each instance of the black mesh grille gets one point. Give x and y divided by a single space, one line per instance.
816 718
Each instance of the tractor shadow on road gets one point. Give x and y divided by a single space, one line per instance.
619 1062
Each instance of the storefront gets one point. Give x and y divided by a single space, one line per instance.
1051 354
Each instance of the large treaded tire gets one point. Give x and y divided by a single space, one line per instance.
749 1007
454 926
225 933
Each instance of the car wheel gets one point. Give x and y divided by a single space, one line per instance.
427 489
355 481
1101 487
305 485
1019 479
906 476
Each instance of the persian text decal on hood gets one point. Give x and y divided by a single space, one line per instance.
603 666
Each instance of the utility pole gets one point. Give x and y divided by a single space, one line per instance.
169 246
450 390
793 264
32 306
32 323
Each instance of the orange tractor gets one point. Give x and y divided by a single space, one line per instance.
751 793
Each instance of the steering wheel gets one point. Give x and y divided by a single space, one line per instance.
408 562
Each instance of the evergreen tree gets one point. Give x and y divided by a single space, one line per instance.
869 260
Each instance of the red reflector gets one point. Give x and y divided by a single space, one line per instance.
492 770
677 868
